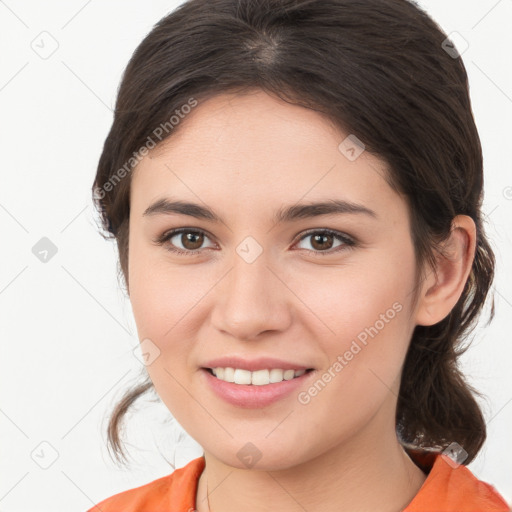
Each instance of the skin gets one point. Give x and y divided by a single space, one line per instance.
245 156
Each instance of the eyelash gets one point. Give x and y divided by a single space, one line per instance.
349 243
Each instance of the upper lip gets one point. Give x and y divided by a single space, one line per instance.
261 363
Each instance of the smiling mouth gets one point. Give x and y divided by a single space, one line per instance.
255 378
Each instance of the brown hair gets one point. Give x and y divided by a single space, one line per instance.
381 70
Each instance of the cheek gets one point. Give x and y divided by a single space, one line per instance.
347 301
166 301
160 294
160 298
364 355
365 323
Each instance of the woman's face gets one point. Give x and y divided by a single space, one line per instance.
252 286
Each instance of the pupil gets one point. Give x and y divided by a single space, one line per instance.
320 237
189 238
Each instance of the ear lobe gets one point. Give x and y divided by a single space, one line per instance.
439 294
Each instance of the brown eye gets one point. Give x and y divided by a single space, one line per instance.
191 241
322 241
183 241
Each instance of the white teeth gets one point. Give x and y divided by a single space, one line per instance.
256 378
229 374
242 377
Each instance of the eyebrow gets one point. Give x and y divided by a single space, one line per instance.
282 215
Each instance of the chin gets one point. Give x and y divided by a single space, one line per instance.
259 455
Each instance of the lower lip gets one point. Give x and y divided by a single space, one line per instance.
251 396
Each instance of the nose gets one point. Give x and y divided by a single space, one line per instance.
251 299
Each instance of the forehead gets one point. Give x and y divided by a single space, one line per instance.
257 148
254 121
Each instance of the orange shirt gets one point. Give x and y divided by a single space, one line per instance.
446 489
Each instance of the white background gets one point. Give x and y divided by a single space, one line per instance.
67 330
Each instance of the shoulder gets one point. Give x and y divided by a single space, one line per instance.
174 492
450 487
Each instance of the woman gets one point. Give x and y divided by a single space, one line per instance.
295 189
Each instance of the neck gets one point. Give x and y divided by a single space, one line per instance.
371 472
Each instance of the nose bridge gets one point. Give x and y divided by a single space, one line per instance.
250 275
251 299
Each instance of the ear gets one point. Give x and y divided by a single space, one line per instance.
439 295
